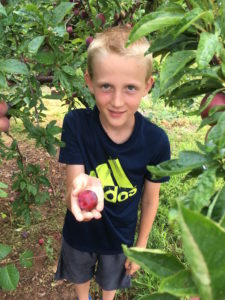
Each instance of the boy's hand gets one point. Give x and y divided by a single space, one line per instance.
85 182
131 267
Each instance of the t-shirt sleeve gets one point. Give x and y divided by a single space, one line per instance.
163 154
70 153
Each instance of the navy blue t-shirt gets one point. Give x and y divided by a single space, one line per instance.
122 170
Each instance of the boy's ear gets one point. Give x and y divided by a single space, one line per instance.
88 81
149 84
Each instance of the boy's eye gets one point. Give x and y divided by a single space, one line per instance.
105 87
131 88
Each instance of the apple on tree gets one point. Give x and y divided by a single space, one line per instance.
4 121
217 100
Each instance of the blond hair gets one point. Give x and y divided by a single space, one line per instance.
113 40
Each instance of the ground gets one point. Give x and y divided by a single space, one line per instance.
37 282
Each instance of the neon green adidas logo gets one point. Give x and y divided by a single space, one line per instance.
112 173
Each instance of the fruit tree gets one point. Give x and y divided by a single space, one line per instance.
44 43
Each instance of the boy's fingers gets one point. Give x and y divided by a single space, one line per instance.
75 209
96 214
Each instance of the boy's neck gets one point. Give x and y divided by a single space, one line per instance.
119 135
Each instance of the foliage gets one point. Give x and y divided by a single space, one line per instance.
188 38
45 42
9 275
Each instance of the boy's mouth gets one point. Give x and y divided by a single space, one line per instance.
115 114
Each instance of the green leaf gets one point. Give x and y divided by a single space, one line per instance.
218 209
153 22
46 58
222 222
26 259
41 198
165 41
3 194
32 189
61 11
69 70
191 17
173 64
52 129
51 149
207 47
35 44
4 251
2 10
204 248
195 88
3 82
188 160
217 134
222 18
179 284
9 277
199 196
158 296
13 66
3 185
155 261
60 31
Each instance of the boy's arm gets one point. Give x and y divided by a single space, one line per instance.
149 206
77 181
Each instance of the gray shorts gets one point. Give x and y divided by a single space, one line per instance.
79 267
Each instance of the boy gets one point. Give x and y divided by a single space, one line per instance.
107 151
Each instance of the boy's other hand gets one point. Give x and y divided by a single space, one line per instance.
131 267
85 182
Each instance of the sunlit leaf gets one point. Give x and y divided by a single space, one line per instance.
13 66
218 208
26 259
9 277
4 251
179 284
207 47
153 22
2 10
188 160
61 11
35 44
204 248
155 261
173 64
200 194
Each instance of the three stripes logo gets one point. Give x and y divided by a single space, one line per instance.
117 187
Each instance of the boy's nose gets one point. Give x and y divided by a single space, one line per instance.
117 99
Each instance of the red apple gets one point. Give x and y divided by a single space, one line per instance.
69 29
4 124
41 242
3 108
101 18
76 12
87 200
218 100
89 40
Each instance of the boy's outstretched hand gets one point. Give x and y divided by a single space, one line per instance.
85 182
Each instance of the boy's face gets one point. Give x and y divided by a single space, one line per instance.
118 84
